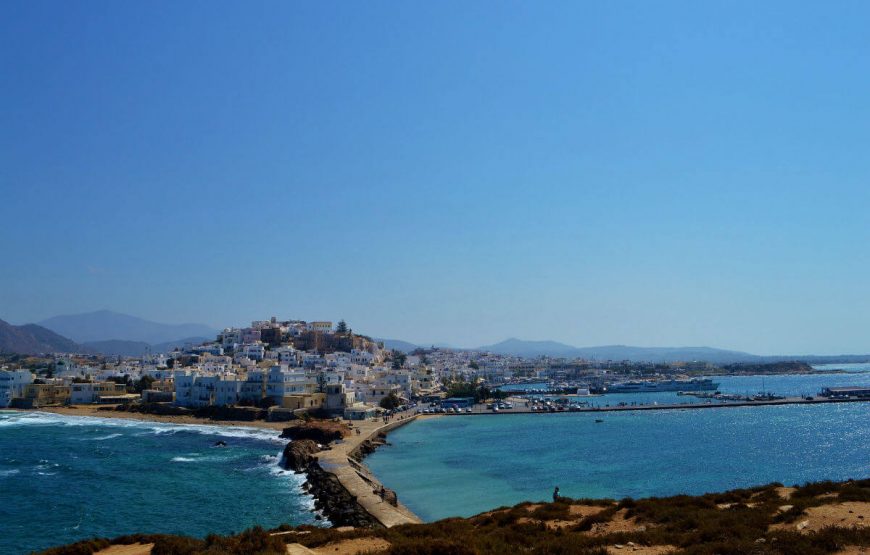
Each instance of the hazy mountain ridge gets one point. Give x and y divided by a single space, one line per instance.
397 344
105 325
31 339
120 347
520 347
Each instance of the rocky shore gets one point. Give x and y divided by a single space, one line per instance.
330 497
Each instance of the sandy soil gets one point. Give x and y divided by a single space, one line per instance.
725 506
352 547
854 550
132 549
582 511
785 493
94 410
852 514
617 524
578 512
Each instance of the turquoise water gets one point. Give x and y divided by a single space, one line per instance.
460 466
64 479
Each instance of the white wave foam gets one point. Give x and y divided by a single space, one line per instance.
12 418
103 438
4 473
184 459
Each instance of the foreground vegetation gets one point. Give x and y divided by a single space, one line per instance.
815 519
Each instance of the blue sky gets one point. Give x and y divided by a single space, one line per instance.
650 173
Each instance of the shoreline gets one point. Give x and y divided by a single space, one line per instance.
340 462
98 411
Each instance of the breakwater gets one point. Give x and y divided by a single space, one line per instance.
344 489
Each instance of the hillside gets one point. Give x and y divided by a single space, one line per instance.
816 519
32 339
105 325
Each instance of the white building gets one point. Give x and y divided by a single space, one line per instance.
254 387
231 337
281 382
253 351
84 393
323 327
12 384
286 355
227 390
371 393
364 358
250 335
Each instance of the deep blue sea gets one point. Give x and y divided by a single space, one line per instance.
460 466
64 479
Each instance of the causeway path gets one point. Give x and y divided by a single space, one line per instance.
357 479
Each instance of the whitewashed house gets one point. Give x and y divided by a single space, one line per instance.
12 385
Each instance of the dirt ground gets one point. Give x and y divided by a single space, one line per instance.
352 547
844 515
132 549
617 524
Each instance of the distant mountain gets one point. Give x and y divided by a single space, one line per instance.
666 354
398 345
105 325
120 347
32 339
531 349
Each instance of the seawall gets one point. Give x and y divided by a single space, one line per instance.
345 490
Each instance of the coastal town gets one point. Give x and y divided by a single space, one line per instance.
291 367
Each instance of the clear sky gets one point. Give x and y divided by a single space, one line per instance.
649 173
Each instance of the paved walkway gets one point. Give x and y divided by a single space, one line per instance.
358 479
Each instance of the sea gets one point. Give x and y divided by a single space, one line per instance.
67 478
461 466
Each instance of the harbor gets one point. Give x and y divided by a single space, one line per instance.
519 405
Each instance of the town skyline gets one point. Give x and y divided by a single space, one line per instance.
100 327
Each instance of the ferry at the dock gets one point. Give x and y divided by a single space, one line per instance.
652 386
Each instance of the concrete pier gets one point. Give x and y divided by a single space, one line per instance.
358 480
